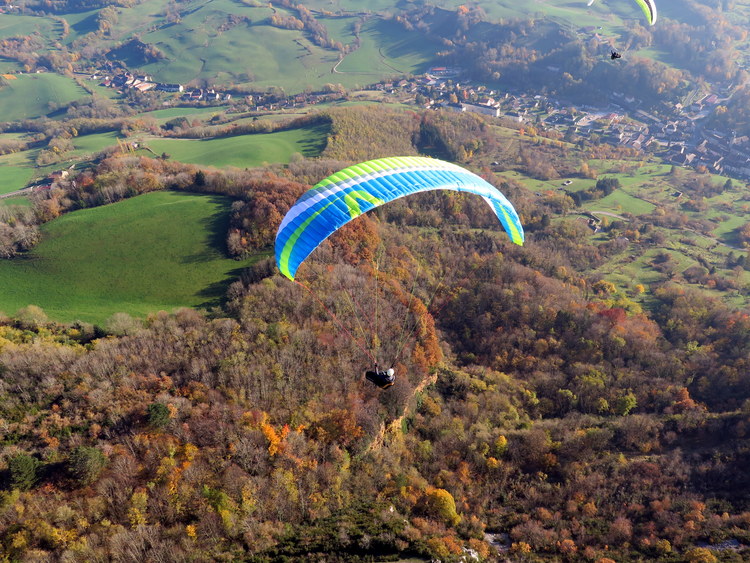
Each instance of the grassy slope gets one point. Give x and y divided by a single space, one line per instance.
20 168
163 115
646 187
30 95
87 145
246 150
157 251
249 52
21 201
254 53
388 50
14 25
80 24
13 178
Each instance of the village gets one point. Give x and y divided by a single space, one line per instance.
678 136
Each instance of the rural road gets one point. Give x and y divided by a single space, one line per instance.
608 214
22 191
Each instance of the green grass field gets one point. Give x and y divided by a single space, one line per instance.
19 169
34 95
340 29
7 65
13 178
80 24
204 43
164 115
154 252
16 25
88 145
620 201
22 201
246 150
387 50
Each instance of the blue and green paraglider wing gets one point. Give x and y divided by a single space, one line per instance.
648 7
349 193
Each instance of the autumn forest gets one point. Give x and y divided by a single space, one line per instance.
540 414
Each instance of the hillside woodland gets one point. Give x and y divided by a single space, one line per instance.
537 410
542 53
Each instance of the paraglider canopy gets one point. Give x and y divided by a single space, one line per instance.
349 193
648 7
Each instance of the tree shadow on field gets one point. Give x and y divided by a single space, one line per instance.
317 142
215 293
87 24
217 228
388 36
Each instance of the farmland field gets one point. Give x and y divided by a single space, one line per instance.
13 178
620 201
164 115
35 95
157 251
388 50
226 41
20 200
207 43
80 24
87 145
244 150
13 25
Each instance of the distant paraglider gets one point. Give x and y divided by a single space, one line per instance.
648 7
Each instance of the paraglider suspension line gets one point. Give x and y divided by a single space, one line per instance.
403 336
377 302
358 315
416 319
338 322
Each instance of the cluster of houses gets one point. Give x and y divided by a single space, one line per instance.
144 83
199 94
258 102
678 137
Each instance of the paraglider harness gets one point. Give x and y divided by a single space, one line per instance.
615 55
381 378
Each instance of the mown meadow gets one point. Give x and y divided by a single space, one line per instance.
28 96
243 151
158 251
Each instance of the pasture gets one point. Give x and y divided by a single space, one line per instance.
35 95
7 65
88 145
20 200
161 116
243 151
387 50
13 178
16 25
80 23
228 42
154 252
210 43
619 201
